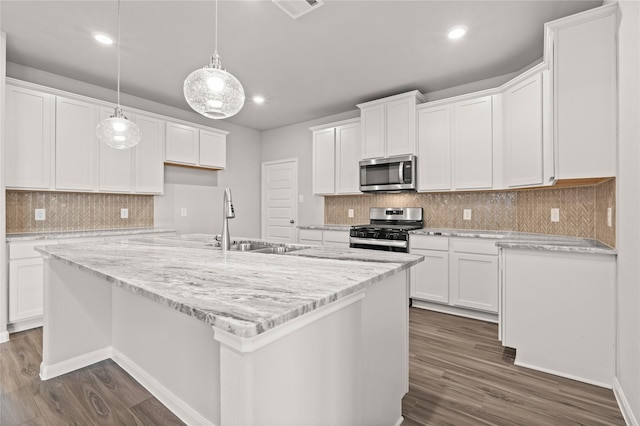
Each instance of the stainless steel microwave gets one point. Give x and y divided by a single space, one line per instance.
388 174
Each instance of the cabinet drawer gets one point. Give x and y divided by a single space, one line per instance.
429 242
336 236
311 235
24 250
476 246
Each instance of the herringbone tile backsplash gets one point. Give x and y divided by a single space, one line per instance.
583 210
70 211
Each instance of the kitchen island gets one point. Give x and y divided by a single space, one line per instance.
314 336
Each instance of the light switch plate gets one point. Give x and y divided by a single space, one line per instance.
124 213
350 213
41 214
183 212
555 215
466 214
609 217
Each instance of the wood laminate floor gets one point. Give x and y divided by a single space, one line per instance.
459 375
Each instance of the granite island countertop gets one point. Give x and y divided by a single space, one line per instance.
243 293
91 233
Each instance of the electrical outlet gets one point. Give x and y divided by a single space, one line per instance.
301 198
124 213
555 215
609 217
466 214
41 214
350 213
183 212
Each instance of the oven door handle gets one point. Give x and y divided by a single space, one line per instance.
386 243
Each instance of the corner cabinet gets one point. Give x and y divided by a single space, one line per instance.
582 53
336 155
191 146
528 151
388 125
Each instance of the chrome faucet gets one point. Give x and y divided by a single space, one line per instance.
227 213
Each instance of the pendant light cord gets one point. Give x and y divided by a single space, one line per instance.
118 53
216 19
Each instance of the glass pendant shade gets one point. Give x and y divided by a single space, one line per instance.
213 92
118 132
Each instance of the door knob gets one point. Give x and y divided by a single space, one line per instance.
292 221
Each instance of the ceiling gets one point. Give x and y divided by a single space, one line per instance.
322 63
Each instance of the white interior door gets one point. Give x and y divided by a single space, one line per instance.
279 200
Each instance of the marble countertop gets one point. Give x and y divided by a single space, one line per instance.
328 227
57 235
243 293
524 240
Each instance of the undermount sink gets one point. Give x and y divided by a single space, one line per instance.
249 247
277 250
258 248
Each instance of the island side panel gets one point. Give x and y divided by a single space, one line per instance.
171 354
77 319
385 327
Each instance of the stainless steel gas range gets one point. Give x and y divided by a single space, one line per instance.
388 229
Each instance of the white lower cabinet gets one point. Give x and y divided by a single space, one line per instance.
458 275
325 237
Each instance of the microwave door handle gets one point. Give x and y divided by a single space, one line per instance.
401 172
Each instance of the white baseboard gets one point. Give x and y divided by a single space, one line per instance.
623 403
561 374
4 336
25 325
399 422
177 406
54 370
454 310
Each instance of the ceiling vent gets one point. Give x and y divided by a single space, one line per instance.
297 8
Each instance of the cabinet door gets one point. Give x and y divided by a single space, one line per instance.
182 144
434 148
213 149
585 105
474 281
149 156
311 237
324 161
335 238
430 278
400 127
25 288
523 138
373 131
347 159
473 144
115 165
29 138
76 145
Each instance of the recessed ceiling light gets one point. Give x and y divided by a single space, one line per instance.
258 99
103 38
457 32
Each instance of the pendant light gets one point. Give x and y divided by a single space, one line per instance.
212 91
117 131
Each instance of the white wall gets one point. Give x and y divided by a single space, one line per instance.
628 320
199 191
4 289
294 141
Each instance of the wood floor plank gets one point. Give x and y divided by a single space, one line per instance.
152 412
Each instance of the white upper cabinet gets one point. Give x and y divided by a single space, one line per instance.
348 158
434 148
213 149
76 145
524 136
196 147
115 166
473 143
149 156
182 144
582 52
324 153
336 156
388 125
30 132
